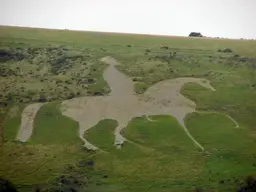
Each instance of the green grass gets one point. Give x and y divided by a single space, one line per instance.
34 164
51 127
140 87
116 41
147 164
105 129
231 151
233 97
165 134
165 158
11 127
214 130
12 124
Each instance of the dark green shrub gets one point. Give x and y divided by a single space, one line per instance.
6 186
227 50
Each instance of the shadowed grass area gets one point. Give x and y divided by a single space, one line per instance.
51 127
36 164
12 123
11 127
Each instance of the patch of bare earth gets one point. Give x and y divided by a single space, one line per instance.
122 104
27 121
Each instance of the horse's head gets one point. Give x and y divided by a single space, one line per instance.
109 60
205 83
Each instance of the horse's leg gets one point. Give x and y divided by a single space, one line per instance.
181 121
149 119
234 121
119 139
82 129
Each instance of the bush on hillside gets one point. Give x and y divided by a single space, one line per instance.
250 185
227 50
164 47
198 189
6 186
195 34
7 56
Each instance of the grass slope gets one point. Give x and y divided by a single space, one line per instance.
106 130
214 131
119 42
12 123
63 64
231 153
165 158
165 134
146 165
51 127
233 97
36 164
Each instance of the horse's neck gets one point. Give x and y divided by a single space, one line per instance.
119 83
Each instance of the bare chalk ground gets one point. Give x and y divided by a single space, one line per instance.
27 121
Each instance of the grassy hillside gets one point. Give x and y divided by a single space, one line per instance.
40 65
116 41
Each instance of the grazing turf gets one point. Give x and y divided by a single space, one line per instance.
105 129
231 152
51 127
234 96
214 131
54 65
165 134
120 42
12 123
35 164
147 163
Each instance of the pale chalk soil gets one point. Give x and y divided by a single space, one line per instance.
122 104
27 121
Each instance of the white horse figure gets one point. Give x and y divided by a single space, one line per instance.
122 104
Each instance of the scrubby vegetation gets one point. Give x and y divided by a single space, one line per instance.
41 74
